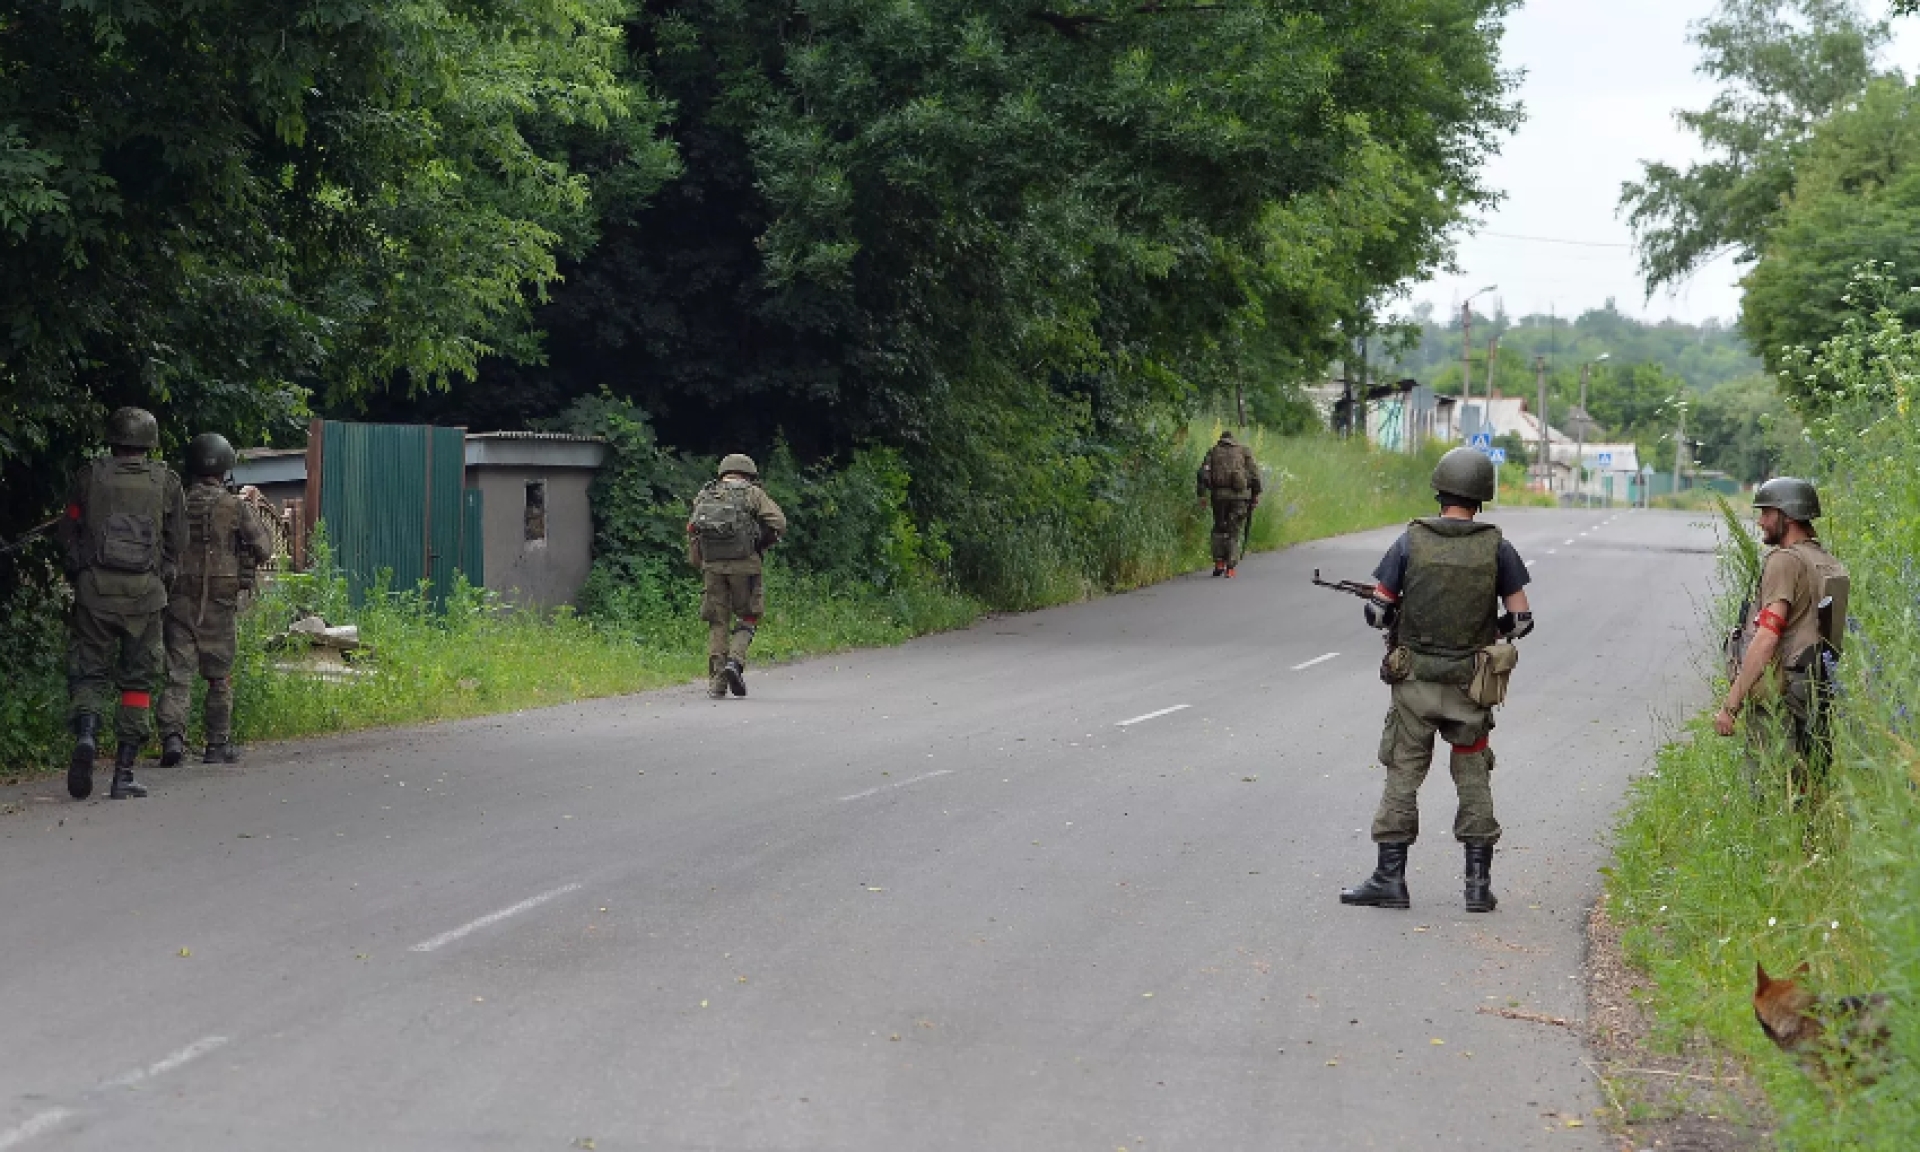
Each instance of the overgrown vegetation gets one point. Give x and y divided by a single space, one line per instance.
1712 877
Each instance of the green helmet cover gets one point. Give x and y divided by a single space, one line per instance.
1465 472
1792 495
738 462
209 454
133 428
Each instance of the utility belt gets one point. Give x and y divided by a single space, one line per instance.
1483 673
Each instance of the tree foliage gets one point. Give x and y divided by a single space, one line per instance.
1783 66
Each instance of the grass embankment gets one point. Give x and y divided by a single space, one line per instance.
474 659
1713 876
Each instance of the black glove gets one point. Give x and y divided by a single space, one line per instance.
1515 625
1380 613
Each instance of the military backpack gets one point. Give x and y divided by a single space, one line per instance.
1230 469
724 523
126 504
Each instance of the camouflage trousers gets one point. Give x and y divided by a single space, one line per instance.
1783 731
109 651
203 649
1229 527
732 605
1420 710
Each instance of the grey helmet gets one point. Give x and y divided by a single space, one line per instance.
1466 473
133 428
739 462
1791 495
209 454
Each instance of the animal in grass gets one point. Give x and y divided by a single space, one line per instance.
1820 1030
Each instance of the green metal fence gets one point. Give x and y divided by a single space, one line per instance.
394 500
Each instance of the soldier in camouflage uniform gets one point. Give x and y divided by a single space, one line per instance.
123 532
1437 587
734 522
1230 477
225 542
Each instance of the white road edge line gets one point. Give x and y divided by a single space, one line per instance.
491 918
161 1067
1312 662
34 1126
890 787
1152 715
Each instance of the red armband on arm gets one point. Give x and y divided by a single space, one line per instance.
1381 594
1771 621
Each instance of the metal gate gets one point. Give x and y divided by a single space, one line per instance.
394 500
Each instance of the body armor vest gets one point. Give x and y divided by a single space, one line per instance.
1448 604
126 507
210 568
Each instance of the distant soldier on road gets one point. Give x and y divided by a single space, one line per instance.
1231 478
124 530
734 522
1438 588
225 543
1780 660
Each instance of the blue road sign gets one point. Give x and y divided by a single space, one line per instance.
1606 459
1481 440
1497 455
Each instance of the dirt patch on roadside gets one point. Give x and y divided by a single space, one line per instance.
1697 1100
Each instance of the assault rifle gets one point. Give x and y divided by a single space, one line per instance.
1350 587
27 537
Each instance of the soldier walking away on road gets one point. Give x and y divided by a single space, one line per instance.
225 543
1781 659
124 529
1231 478
734 522
1437 589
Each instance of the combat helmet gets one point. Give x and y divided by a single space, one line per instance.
209 454
133 428
739 462
1790 494
1466 473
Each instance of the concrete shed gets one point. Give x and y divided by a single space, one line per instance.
537 525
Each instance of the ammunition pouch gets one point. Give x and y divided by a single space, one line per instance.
1434 668
1396 667
1492 667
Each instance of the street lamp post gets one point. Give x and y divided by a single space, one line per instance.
1466 349
1580 452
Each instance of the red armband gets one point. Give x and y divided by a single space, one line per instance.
1771 621
1380 593
73 511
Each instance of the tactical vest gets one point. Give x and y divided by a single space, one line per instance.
1448 600
1228 468
210 568
126 510
724 523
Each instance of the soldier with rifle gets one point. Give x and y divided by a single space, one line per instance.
1782 658
1230 477
124 530
225 543
1437 595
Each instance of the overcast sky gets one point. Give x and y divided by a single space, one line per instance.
1603 78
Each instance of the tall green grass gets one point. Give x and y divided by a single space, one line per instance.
1712 876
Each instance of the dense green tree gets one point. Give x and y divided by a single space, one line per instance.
1783 66
216 208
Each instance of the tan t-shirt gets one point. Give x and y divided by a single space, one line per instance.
1795 574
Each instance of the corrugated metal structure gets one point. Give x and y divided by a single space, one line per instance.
394 500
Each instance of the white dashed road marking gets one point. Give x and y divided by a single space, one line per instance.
1152 715
185 1056
491 918
1315 660
891 787
35 1125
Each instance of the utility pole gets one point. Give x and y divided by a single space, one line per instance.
1546 459
1580 452
1679 446
1466 353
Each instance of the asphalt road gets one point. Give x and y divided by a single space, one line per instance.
935 897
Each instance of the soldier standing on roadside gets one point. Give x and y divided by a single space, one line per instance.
1231 478
123 532
225 542
1439 586
734 522
1779 658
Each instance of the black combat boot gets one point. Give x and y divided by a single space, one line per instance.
736 676
173 749
1387 887
1480 897
226 753
86 745
125 787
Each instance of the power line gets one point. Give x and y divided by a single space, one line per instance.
1551 240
